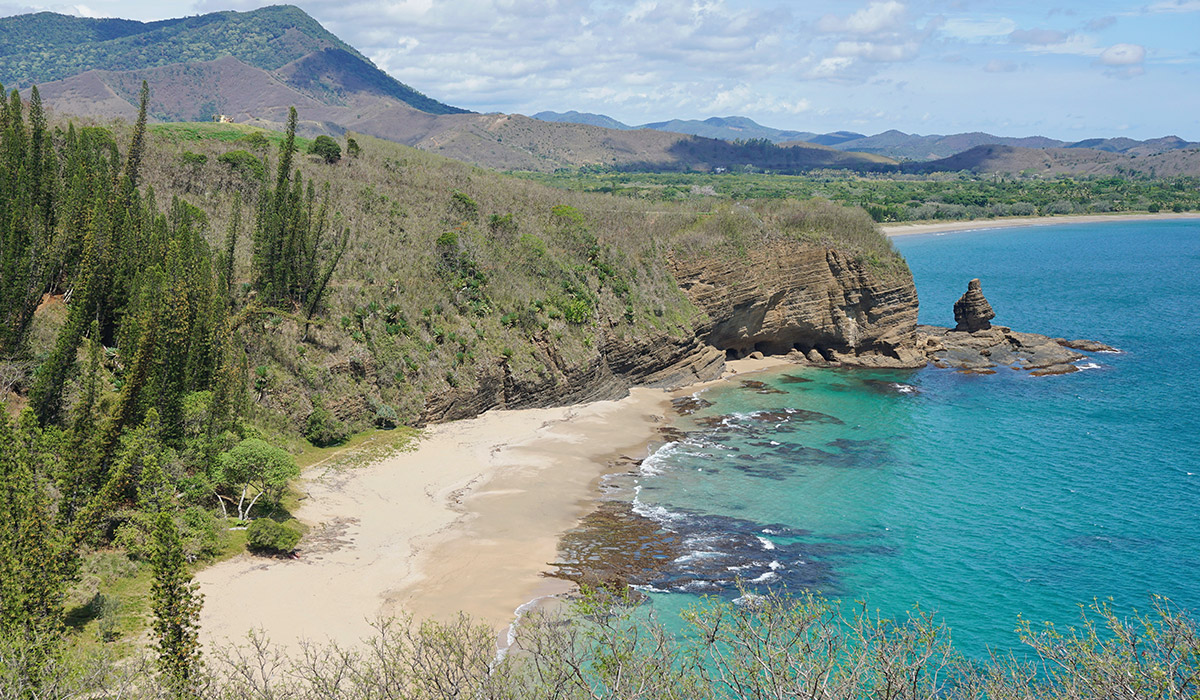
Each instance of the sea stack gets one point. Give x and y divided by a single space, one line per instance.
972 312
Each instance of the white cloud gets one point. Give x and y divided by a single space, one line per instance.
976 29
874 18
1123 55
1037 37
831 67
1175 6
877 52
1071 45
998 66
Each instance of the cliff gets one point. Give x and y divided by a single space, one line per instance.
658 359
782 297
787 296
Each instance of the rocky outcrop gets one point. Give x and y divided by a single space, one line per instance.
982 351
657 359
972 312
818 304
786 296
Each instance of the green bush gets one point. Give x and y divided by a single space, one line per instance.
463 207
324 429
386 417
244 163
327 148
266 536
193 159
255 140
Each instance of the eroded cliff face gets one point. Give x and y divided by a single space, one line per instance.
617 363
780 298
789 296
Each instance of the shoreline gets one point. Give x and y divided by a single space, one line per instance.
894 230
465 522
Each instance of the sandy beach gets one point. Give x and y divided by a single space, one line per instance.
985 224
465 522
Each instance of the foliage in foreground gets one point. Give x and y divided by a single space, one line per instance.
758 647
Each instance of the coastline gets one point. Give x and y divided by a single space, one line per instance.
465 522
892 230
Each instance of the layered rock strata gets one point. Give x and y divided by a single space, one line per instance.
618 363
982 352
784 296
972 312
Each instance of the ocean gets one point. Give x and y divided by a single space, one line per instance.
979 498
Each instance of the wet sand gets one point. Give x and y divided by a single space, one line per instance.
467 521
985 224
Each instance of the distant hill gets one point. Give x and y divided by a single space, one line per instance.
280 40
726 128
836 138
729 128
587 118
1063 161
892 143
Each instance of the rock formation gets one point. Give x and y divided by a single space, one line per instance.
785 295
815 305
982 351
972 312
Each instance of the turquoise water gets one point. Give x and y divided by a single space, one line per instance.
978 497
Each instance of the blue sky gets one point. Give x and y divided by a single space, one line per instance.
1069 70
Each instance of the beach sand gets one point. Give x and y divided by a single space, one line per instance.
982 224
467 521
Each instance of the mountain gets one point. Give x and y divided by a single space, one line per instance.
891 144
281 41
726 128
588 118
836 138
997 158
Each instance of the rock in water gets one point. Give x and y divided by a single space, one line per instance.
972 312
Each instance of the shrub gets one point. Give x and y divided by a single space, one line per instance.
327 148
386 417
255 140
244 163
324 429
463 207
352 148
266 536
567 214
503 225
193 159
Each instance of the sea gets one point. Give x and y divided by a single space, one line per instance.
979 498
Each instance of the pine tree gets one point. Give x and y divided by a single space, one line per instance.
34 562
290 236
176 606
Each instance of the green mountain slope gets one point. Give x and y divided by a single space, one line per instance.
46 47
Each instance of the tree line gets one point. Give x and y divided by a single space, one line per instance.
133 422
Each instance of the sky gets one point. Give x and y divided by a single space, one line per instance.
1067 69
